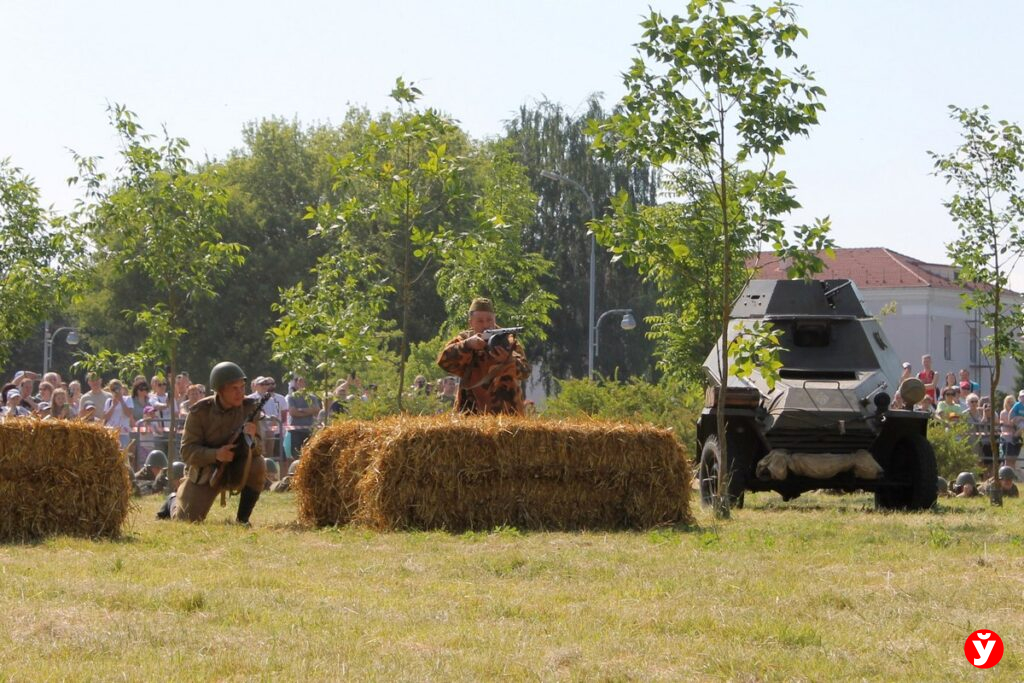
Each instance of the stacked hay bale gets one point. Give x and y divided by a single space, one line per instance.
59 477
458 473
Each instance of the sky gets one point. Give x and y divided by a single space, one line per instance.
204 69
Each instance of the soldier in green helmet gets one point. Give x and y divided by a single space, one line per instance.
273 472
286 482
965 486
145 478
209 443
160 484
1003 480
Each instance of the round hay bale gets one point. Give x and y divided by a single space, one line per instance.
458 473
59 477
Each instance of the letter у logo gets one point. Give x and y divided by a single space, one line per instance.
983 649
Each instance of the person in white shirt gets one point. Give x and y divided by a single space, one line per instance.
275 412
117 411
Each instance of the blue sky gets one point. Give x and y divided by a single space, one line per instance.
206 68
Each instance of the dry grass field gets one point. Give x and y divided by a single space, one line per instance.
823 588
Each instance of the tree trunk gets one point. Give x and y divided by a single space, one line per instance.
721 506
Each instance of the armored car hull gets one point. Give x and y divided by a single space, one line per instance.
829 422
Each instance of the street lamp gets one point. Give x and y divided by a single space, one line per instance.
551 175
48 338
628 322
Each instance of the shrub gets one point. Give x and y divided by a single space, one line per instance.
666 404
954 449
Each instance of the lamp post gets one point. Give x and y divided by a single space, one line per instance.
551 175
628 322
48 338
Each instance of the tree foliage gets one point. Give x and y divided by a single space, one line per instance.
158 217
490 259
545 137
987 206
41 255
712 103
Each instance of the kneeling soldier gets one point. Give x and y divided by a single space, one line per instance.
208 444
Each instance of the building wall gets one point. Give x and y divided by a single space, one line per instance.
918 325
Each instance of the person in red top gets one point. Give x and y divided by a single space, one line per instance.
927 376
491 379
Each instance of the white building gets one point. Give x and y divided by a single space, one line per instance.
918 305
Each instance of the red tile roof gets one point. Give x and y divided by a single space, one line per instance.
869 268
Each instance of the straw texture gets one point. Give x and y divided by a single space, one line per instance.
59 477
460 473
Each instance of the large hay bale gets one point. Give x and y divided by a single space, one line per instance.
59 477
457 473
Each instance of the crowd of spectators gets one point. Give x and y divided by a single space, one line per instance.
141 412
954 399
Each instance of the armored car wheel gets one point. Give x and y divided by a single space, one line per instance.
912 464
707 475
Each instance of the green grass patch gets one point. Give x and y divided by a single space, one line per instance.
823 588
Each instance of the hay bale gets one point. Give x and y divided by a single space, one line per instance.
59 477
458 473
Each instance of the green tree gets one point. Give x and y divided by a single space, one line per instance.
491 260
158 218
401 187
41 255
281 169
544 137
675 246
708 101
336 326
987 205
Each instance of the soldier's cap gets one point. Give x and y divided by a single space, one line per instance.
293 467
1006 472
481 304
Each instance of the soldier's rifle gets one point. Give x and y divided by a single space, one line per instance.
239 441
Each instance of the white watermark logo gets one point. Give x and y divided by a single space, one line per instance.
983 649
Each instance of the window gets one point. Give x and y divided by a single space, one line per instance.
947 342
974 344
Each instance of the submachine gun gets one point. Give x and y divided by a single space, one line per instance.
498 337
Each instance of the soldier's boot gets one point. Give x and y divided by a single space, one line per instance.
246 502
165 510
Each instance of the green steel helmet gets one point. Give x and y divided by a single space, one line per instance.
271 466
1006 472
177 469
224 373
942 485
293 467
965 478
156 459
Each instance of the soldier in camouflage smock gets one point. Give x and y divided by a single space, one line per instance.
491 379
